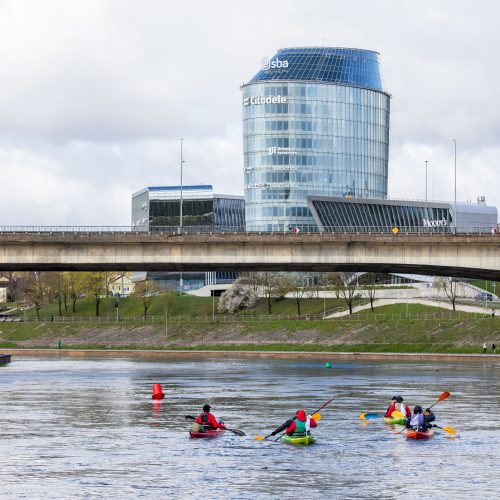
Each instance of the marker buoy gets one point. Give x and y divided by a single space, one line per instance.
328 365
157 392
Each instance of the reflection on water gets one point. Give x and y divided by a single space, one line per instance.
89 428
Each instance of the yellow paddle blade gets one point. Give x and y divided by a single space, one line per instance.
450 430
316 416
362 416
259 438
397 414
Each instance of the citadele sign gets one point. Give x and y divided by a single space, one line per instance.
274 99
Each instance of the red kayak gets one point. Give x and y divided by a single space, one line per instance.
206 434
418 434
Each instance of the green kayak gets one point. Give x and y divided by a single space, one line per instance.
395 421
300 440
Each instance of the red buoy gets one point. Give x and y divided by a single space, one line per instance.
157 392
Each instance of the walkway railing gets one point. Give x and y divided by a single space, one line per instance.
238 229
443 315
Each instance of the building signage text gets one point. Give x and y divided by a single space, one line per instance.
435 223
275 99
273 64
281 151
273 185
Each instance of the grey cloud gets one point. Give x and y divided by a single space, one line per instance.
95 95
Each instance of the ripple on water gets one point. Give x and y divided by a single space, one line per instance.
88 428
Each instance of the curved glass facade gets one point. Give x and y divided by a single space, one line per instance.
315 122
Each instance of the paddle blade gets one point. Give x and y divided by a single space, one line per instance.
190 417
369 416
397 414
237 432
443 396
316 416
450 430
259 438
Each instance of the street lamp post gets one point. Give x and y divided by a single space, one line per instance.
425 180
180 215
455 224
180 208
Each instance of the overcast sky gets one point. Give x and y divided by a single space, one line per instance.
95 95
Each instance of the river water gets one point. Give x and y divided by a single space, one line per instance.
89 429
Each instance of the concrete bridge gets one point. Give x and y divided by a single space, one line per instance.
468 256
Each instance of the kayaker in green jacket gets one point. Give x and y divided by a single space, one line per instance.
301 425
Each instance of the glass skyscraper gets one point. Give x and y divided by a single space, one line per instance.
315 122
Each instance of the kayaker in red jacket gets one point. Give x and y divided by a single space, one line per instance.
398 405
207 420
301 424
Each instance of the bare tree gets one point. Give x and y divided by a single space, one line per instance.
345 288
370 289
35 294
449 286
296 291
251 279
269 284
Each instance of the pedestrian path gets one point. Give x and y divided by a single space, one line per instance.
425 302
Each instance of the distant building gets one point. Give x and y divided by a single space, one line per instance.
4 283
122 286
367 214
157 207
160 206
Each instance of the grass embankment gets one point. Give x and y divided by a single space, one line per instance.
181 305
381 333
485 285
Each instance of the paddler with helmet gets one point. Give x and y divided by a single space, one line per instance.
301 425
397 404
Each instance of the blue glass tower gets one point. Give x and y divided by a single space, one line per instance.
315 122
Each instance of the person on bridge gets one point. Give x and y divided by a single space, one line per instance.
397 404
301 424
208 421
420 421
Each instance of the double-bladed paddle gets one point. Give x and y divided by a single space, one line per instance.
442 397
237 432
314 415
450 430
371 416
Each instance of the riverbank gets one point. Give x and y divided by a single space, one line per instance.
447 336
331 356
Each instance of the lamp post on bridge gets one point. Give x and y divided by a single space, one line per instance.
180 208
426 180
455 222
180 215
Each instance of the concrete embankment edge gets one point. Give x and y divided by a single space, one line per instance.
157 354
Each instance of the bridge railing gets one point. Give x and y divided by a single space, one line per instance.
445 230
